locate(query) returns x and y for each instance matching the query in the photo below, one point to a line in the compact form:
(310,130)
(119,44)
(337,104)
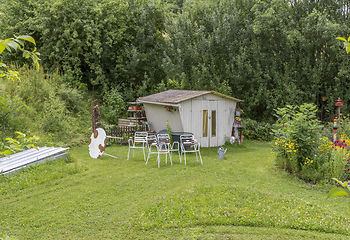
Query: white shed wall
(157,116)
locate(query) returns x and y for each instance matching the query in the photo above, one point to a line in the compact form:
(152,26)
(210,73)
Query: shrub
(72,98)
(22,143)
(9,107)
(113,106)
(257,130)
(53,115)
(302,149)
(296,132)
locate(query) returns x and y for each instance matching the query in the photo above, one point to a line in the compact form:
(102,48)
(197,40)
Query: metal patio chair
(164,147)
(139,142)
(152,146)
(190,145)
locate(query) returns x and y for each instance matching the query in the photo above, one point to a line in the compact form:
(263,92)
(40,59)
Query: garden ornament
(97,144)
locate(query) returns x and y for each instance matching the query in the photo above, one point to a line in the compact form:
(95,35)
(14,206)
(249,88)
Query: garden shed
(209,115)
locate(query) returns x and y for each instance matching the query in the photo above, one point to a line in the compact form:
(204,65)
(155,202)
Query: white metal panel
(158,116)
(28,157)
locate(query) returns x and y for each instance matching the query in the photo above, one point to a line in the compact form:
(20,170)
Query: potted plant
(238,121)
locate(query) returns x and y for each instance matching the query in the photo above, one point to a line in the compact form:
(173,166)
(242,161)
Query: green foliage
(257,130)
(53,115)
(169,131)
(46,106)
(9,107)
(302,148)
(343,191)
(113,106)
(297,126)
(22,143)
(267,53)
(346,43)
(86,40)
(18,43)
(72,97)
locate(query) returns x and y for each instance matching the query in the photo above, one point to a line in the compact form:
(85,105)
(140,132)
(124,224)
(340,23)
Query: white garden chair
(139,142)
(152,146)
(163,147)
(190,145)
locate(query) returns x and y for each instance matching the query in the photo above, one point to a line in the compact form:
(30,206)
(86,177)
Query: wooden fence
(124,131)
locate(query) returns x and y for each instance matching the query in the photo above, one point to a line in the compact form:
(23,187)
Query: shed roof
(177,96)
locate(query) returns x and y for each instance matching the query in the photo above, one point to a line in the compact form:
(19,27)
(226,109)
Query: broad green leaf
(347,47)
(27,38)
(349,39)
(2,47)
(25,54)
(336,192)
(341,38)
(37,65)
(341,183)
(13,45)
(19,42)
(6,152)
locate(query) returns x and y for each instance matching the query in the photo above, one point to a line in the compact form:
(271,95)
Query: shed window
(205,123)
(213,123)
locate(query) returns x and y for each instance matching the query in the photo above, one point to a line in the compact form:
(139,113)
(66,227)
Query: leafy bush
(113,106)
(72,98)
(54,115)
(302,149)
(257,131)
(22,143)
(296,133)
(9,107)
(44,105)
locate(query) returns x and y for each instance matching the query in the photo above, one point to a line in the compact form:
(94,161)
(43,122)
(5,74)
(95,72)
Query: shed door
(210,121)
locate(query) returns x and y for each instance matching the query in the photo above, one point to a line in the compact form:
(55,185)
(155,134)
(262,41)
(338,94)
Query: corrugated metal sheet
(32,156)
(177,96)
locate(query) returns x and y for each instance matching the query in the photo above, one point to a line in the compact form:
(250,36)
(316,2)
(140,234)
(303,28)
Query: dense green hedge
(257,130)
(268,53)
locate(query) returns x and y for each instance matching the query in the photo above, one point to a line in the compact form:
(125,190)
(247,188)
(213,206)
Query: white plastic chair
(139,142)
(190,145)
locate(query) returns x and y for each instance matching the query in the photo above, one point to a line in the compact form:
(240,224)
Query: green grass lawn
(240,197)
